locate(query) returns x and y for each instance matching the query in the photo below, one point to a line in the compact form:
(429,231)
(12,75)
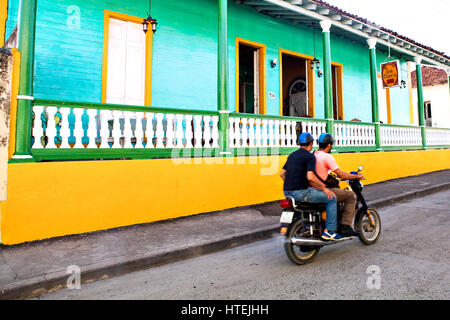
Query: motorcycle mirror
(360,168)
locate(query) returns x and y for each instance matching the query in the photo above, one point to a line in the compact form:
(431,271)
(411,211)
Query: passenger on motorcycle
(325,163)
(299,175)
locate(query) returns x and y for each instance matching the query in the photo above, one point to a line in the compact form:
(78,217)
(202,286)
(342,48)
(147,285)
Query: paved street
(412,254)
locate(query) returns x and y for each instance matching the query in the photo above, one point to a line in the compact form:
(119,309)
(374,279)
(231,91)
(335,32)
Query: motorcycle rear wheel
(369,233)
(298,254)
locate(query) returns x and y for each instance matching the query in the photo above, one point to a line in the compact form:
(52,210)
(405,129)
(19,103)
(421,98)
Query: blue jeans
(312,195)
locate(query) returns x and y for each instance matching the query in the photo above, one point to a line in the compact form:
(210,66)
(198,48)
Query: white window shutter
(126,63)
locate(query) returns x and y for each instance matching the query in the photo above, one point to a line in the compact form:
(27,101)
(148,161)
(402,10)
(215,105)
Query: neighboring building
(436,97)
(220,82)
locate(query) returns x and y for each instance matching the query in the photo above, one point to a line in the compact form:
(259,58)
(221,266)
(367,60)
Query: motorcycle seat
(310,206)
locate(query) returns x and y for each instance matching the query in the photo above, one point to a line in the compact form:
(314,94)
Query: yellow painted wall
(54,199)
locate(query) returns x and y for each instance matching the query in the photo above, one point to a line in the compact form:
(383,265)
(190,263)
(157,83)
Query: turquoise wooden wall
(11,21)
(68,63)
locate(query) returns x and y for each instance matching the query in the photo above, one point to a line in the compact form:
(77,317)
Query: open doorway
(250,75)
(296,85)
(427,113)
(338,105)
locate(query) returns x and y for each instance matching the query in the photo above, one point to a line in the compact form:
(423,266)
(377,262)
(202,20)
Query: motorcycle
(302,225)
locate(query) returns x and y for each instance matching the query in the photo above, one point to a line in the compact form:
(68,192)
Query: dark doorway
(295,86)
(249,79)
(428,116)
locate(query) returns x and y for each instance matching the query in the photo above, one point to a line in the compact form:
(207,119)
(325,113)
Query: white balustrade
(357,135)
(65,128)
(114,129)
(437,136)
(400,136)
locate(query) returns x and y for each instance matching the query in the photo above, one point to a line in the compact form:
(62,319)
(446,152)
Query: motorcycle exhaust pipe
(309,242)
(315,242)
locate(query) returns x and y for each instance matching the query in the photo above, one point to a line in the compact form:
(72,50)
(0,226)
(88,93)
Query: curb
(34,287)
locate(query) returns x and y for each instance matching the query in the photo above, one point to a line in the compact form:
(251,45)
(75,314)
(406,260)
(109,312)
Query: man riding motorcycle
(299,175)
(325,163)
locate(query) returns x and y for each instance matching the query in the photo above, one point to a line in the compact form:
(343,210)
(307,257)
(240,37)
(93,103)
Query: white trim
(25,97)
(22,157)
(349,28)
(372,42)
(224,111)
(418,59)
(326,25)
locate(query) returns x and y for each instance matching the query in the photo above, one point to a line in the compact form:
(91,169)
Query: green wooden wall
(68,63)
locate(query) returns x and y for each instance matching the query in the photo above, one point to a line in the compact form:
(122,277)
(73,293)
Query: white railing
(67,127)
(354,135)
(249,132)
(437,136)
(400,136)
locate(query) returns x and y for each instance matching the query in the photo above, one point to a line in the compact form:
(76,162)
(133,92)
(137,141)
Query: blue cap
(305,137)
(326,138)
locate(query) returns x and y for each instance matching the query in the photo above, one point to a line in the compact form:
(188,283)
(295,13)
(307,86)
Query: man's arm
(315,182)
(283,174)
(347,176)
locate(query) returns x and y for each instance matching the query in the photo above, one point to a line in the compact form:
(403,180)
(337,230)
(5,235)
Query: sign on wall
(390,74)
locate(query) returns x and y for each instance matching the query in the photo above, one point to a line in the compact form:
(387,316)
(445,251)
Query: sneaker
(330,235)
(347,231)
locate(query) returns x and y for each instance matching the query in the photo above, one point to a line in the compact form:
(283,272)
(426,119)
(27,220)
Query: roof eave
(317,10)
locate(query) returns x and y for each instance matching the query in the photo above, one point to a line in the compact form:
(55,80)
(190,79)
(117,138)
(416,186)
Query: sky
(425,21)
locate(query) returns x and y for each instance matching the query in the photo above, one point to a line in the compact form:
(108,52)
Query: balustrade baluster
(117,131)
(51,127)
(38,128)
(277,133)
(244,132)
(159,131)
(139,130)
(207,131)
(170,130)
(215,131)
(78,132)
(179,133)
(198,133)
(251,133)
(258,134)
(264,133)
(237,132)
(92,128)
(189,133)
(127,132)
(294,139)
(65,130)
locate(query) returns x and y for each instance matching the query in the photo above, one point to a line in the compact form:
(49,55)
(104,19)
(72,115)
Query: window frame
(262,73)
(148,54)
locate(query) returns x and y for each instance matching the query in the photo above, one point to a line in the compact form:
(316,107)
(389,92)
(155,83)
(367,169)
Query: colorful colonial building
(199,114)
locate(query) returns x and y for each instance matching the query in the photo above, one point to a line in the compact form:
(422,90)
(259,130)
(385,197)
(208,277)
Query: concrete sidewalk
(32,269)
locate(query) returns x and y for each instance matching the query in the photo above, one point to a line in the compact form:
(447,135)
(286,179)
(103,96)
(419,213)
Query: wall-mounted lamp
(273,63)
(147,21)
(316,63)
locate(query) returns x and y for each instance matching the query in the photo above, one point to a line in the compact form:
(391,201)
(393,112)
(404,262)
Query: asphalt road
(412,257)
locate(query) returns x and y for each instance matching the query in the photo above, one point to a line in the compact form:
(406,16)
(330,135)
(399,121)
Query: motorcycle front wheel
(299,254)
(369,226)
